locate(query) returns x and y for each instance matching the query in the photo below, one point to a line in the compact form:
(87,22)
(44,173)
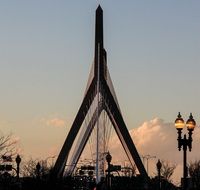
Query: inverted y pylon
(100,83)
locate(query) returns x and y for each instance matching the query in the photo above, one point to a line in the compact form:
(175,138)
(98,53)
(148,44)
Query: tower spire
(100,53)
(99,27)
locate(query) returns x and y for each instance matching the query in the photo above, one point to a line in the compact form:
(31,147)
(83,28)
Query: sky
(47,48)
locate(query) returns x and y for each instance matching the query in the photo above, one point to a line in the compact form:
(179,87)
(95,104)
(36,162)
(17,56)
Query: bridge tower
(100,92)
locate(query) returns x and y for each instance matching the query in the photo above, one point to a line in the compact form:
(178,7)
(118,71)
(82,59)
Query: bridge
(98,113)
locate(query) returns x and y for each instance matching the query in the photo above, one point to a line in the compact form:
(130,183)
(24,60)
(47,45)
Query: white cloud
(55,122)
(155,137)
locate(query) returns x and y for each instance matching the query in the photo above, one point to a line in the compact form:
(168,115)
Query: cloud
(155,137)
(55,122)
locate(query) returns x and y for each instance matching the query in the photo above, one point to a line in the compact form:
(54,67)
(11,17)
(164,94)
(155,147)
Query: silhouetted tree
(167,170)
(8,152)
(194,171)
(29,169)
(8,145)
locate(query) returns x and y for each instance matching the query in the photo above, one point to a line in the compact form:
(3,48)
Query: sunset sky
(47,48)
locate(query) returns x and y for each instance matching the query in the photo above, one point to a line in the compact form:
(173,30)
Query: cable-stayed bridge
(98,114)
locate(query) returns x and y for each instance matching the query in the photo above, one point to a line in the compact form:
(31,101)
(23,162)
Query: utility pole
(147,157)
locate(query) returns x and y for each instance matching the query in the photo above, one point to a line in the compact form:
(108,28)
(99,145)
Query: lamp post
(108,159)
(38,167)
(185,142)
(159,166)
(18,161)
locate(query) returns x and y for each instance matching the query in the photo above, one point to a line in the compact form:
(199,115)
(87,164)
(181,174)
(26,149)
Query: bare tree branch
(8,146)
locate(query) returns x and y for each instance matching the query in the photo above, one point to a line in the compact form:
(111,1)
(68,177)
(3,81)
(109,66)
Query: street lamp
(38,167)
(18,161)
(108,159)
(185,142)
(159,166)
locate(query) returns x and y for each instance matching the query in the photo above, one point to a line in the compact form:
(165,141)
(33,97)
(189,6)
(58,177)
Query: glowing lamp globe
(179,122)
(190,123)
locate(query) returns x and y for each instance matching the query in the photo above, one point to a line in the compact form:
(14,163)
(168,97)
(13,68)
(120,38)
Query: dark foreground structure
(82,183)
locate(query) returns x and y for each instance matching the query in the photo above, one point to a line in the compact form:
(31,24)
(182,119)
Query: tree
(8,151)
(194,171)
(166,173)
(167,170)
(8,145)
(29,169)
